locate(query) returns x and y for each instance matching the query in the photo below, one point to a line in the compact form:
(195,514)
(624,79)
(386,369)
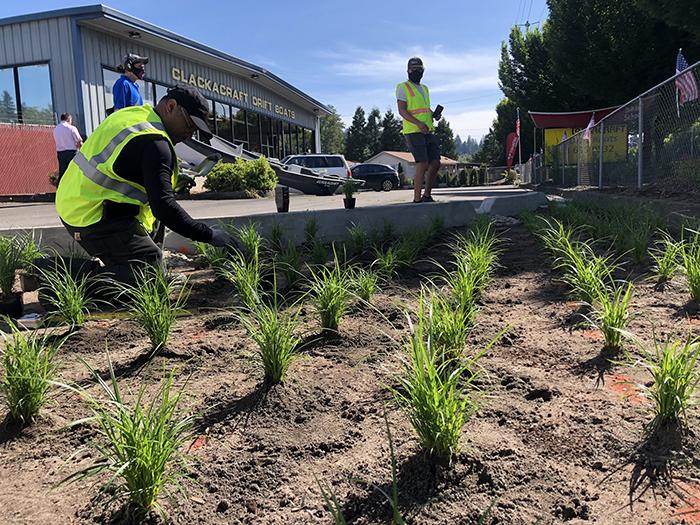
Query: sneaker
(427,198)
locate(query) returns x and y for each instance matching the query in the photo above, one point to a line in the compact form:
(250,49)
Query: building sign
(238,96)
(614,143)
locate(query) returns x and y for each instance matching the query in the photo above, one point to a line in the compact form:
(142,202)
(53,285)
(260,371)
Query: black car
(377,176)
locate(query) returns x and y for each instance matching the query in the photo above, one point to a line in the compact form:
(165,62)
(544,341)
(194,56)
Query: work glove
(221,239)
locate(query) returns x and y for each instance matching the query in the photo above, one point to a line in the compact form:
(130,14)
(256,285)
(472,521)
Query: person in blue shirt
(125,89)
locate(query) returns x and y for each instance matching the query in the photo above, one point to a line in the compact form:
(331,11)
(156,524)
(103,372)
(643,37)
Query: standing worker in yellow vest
(122,180)
(414,106)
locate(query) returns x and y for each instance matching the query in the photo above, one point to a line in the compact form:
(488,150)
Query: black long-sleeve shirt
(148,160)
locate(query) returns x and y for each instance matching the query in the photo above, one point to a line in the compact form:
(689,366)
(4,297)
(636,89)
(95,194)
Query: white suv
(326,164)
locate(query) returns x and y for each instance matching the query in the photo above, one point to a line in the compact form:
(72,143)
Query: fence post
(600,155)
(640,145)
(578,161)
(563,164)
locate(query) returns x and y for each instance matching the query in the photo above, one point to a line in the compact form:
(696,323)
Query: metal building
(64,61)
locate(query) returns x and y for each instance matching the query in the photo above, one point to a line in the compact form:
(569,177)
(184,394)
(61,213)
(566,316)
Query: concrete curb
(333,223)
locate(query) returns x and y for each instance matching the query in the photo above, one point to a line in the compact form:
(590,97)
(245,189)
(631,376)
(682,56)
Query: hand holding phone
(437,114)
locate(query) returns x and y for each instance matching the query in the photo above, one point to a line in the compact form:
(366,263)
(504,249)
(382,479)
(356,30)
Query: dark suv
(377,176)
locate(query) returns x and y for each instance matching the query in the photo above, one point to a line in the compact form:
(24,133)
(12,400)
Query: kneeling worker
(122,180)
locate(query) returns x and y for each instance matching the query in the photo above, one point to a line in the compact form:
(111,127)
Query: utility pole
(520,150)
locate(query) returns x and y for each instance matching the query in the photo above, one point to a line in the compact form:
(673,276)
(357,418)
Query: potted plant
(10,257)
(349,191)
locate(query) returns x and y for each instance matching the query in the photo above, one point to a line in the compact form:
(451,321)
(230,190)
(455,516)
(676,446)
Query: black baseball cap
(194,103)
(415,62)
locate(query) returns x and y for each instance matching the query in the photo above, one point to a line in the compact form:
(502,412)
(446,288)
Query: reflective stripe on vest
(417,105)
(91,172)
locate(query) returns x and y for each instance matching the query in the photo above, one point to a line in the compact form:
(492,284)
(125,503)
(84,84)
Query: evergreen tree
(392,138)
(447,141)
(373,132)
(8,110)
(355,139)
(332,133)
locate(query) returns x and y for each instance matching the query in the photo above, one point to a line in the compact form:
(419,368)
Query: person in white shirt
(68,141)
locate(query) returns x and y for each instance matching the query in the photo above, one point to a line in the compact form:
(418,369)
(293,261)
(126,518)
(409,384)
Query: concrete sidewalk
(457,206)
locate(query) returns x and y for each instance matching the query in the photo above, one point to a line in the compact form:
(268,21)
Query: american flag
(686,84)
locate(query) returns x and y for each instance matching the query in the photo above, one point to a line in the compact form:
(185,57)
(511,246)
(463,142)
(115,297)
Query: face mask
(139,72)
(415,76)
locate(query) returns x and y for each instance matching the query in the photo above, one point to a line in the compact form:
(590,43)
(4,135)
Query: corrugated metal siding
(104,49)
(45,41)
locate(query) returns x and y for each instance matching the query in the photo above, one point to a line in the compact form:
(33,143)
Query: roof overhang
(571,119)
(108,20)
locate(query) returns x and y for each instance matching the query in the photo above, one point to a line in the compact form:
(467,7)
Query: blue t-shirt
(126,93)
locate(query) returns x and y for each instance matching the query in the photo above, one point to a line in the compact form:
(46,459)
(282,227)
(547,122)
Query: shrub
(142,443)
(225,176)
(250,175)
(28,370)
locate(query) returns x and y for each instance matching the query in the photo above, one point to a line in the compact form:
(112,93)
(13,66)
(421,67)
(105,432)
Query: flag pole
(520,150)
(678,105)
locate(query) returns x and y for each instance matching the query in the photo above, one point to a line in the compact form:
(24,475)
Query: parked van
(326,164)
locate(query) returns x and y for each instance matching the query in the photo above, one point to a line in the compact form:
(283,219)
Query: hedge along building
(64,61)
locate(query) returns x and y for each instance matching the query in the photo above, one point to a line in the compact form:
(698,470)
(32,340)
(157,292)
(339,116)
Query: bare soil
(561,436)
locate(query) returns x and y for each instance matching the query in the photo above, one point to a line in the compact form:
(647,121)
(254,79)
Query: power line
(528,11)
(517,18)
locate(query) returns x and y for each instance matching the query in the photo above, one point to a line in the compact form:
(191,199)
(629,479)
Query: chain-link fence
(652,141)
(532,172)
(28,159)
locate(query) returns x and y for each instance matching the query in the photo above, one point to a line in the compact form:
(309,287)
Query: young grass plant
(28,369)
(329,292)
(273,332)
(251,240)
(386,262)
(448,327)
(586,273)
(690,258)
(246,277)
(611,313)
(437,403)
(10,260)
(29,251)
(332,504)
(675,371)
(310,231)
(141,445)
(150,302)
(357,239)
(213,256)
(364,283)
(66,290)
(667,257)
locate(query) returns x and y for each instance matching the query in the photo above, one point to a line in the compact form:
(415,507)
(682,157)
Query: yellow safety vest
(418,106)
(90,178)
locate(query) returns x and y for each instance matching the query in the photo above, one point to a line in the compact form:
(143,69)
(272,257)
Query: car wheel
(387,184)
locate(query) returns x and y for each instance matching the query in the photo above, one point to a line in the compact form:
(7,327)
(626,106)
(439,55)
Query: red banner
(511,148)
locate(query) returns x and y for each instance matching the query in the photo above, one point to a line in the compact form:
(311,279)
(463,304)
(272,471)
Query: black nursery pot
(349,203)
(11,305)
(282,198)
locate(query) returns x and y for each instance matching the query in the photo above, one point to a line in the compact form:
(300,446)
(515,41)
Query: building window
(253,132)
(161,91)
(240,130)
(287,140)
(223,121)
(25,95)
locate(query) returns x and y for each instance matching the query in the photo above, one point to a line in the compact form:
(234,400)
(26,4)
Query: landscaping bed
(560,435)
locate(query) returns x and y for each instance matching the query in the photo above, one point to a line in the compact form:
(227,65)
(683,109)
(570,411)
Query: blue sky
(352,53)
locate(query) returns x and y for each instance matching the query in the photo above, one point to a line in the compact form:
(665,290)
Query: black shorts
(424,146)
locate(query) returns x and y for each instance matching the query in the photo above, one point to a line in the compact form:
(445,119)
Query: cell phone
(438,112)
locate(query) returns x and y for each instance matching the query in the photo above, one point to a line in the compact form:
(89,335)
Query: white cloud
(475,122)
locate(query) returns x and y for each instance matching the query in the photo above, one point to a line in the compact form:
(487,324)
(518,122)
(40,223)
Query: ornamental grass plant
(611,312)
(586,274)
(67,289)
(28,370)
(363,283)
(448,327)
(154,301)
(329,291)
(675,371)
(10,260)
(438,403)
(666,256)
(690,260)
(245,274)
(274,334)
(139,453)
(213,256)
